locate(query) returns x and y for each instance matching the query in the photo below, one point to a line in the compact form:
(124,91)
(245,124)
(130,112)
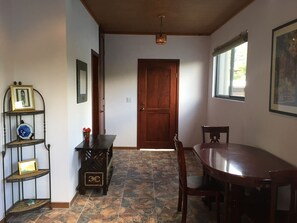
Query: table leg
(236,207)
(226,203)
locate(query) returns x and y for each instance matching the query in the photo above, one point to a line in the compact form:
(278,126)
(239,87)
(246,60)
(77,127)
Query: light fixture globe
(161,38)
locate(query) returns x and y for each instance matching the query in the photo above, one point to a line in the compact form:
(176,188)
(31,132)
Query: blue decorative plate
(24,131)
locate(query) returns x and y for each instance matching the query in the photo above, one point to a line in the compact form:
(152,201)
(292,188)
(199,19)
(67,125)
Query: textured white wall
(39,58)
(82,36)
(39,43)
(5,68)
(122,53)
(251,122)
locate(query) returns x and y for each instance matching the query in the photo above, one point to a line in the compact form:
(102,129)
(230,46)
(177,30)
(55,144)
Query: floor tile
(143,189)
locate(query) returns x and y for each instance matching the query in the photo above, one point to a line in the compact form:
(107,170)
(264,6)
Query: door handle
(142,108)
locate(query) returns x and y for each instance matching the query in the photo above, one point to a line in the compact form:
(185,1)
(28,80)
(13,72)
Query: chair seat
(195,182)
(200,182)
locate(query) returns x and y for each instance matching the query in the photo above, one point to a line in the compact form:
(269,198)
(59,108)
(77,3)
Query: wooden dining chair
(278,179)
(214,133)
(191,185)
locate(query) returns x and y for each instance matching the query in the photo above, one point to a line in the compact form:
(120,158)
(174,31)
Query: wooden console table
(96,163)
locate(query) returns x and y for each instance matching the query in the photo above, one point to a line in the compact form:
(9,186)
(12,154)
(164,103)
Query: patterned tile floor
(143,189)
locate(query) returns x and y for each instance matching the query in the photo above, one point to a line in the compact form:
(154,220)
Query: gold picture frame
(22,97)
(27,166)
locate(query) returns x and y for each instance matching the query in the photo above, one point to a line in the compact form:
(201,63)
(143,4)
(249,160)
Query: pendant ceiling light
(161,38)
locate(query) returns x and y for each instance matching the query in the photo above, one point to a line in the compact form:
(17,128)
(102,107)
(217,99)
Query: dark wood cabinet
(96,163)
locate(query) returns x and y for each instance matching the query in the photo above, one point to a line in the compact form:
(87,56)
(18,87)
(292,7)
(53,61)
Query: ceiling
(182,17)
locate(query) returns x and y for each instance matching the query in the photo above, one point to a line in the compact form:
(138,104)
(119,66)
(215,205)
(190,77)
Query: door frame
(177,61)
(95,91)
(98,87)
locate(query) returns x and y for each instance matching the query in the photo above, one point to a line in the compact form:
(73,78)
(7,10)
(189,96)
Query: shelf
(22,206)
(14,184)
(24,142)
(15,177)
(30,112)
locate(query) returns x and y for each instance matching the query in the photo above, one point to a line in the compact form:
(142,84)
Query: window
(230,61)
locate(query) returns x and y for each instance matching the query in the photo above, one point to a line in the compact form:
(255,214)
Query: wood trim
(60,205)
(188,148)
(135,148)
(177,96)
(73,199)
(124,148)
(101,73)
(64,204)
(95,91)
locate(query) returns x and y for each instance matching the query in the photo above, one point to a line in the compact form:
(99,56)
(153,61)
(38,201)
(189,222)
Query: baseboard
(64,204)
(124,148)
(60,204)
(53,205)
(135,148)
(73,199)
(188,148)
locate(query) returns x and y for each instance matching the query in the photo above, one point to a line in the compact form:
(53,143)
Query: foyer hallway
(143,189)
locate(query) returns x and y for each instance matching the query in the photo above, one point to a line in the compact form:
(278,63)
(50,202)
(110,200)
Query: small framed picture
(27,166)
(22,97)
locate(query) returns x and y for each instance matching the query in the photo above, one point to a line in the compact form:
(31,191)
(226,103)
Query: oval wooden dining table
(239,166)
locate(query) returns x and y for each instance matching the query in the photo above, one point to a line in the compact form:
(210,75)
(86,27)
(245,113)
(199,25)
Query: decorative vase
(86,136)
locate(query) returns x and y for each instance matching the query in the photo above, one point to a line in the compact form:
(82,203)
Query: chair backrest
(215,133)
(182,170)
(284,178)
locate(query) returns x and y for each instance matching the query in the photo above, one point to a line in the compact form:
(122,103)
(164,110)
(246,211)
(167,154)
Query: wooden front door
(157,103)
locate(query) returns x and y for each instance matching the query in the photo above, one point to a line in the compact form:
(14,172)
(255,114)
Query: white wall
(39,45)
(82,36)
(250,121)
(39,52)
(122,53)
(5,11)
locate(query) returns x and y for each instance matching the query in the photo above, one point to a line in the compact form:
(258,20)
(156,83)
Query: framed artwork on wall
(81,81)
(283,80)
(22,97)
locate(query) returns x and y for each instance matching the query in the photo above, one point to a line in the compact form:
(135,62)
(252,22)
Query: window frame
(230,45)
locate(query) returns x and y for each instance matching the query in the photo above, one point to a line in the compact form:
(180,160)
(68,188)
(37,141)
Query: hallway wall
(40,41)
(122,52)
(250,121)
